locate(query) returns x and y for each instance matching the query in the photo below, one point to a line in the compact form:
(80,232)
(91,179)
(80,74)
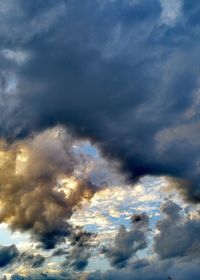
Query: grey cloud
(111,71)
(59,252)
(128,242)
(81,249)
(154,271)
(10,255)
(30,260)
(178,235)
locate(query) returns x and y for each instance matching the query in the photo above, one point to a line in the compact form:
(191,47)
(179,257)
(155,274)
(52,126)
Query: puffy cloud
(127,243)
(178,235)
(81,242)
(34,194)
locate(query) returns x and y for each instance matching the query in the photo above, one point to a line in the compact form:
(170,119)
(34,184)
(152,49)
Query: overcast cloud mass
(100,97)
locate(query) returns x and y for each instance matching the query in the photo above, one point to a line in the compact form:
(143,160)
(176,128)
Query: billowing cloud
(123,75)
(38,187)
(127,243)
(178,235)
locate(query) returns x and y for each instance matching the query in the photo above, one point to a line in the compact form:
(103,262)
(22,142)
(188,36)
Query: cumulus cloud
(35,193)
(176,244)
(178,235)
(128,242)
(80,250)
(81,242)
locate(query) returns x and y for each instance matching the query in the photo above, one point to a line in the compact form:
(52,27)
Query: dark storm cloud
(8,254)
(128,243)
(178,235)
(113,71)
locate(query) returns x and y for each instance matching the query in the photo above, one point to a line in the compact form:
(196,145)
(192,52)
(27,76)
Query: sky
(99,139)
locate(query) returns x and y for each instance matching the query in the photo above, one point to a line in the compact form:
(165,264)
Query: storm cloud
(124,74)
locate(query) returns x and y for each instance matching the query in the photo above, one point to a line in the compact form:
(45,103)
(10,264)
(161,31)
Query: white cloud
(171,10)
